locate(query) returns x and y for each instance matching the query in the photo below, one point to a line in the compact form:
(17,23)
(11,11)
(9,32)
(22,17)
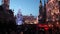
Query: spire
(19,12)
(47,1)
(40,3)
(44,5)
(44,11)
(40,12)
(19,18)
(5,3)
(40,7)
(44,2)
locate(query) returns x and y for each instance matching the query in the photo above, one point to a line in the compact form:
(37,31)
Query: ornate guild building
(30,19)
(52,11)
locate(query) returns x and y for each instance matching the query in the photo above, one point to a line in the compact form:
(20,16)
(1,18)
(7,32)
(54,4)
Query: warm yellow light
(57,19)
(31,23)
(57,22)
(50,25)
(52,13)
(53,19)
(40,17)
(46,19)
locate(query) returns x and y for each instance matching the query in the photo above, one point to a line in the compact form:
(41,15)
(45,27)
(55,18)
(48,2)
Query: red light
(46,28)
(40,25)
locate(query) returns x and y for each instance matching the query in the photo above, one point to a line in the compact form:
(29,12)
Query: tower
(42,12)
(59,4)
(19,18)
(5,4)
(40,8)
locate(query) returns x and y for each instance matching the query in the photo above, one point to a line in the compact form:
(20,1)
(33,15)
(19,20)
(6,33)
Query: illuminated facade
(30,20)
(52,12)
